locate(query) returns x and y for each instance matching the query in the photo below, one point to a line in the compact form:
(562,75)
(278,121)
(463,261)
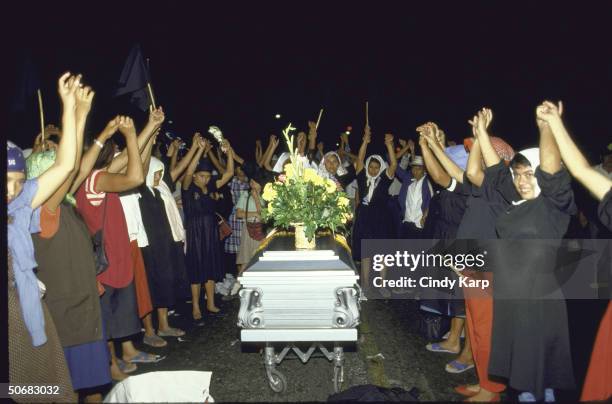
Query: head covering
(372,181)
(15,162)
(322,171)
(278,166)
(417,161)
(533,156)
(458,155)
(503,149)
(204,165)
(154,166)
(172,211)
(38,163)
(27,152)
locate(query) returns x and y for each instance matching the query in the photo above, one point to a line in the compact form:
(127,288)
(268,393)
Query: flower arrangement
(302,196)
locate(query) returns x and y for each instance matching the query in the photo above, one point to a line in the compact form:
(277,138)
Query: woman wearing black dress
(204,258)
(597,385)
(530,344)
(373,220)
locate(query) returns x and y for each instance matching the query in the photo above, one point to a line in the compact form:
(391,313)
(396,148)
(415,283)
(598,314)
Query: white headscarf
(372,181)
(322,171)
(278,167)
(172,211)
(533,155)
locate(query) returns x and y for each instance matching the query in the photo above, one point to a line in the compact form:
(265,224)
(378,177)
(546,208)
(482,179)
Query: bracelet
(99,144)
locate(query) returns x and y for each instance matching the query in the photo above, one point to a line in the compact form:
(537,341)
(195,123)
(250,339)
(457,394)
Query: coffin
(291,295)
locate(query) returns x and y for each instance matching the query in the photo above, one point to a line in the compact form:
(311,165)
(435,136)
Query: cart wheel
(277,381)
(338,378)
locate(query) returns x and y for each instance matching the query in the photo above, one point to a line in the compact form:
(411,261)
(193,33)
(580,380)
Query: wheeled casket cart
(290,298)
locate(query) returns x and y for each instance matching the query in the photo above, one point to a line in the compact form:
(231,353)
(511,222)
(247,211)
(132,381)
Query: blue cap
(458,155)
(15,162)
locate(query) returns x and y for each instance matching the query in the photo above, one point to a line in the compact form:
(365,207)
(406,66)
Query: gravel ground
(238,373)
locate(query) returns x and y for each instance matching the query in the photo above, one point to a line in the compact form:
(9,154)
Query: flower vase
(301,241)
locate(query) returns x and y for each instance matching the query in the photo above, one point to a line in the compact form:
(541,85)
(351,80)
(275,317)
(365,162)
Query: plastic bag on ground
(163,387)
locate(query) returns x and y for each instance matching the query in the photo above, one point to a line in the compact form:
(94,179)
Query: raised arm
(272,145)
(178,168)
(550,157)
(434,169)
(56,175)
(574,160)
(84,97)
(312,136)
(391,152)
(258,152)
(480,123)
(156,118)
(201,146)
(134,176)
(301,143)
(367,138)
(474,171)
(229,172)
(215,161)
(146,156)
(448,165)
(405,148)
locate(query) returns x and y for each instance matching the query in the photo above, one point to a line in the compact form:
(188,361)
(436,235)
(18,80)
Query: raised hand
(66,87)
(548,112)
(312,125)
(410,144)
(111,128)
(157,116)
(403,143)
(367,135)
(301,140)
(84,98)
(274,141)
(388,138)
(126,126)
(474,123)
(423,141)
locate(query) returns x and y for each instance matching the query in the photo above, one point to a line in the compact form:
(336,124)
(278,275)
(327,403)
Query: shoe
(464,391)
(126,367)
(457,367)
(235,288)
(435,347)
(155,341)
(171,332)
(496,398)
(144,357)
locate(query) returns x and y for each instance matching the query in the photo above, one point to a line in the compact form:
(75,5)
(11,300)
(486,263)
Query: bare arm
(391,152)
(434,169)
(156,118)
(134,176)
(447,164)
(146,156)
(229,172)
(84,97)
(550,157)
(177,169)
(258,153)
(269,152)
(192,166)
(56,175)
(481,122)
(575,161)
(367,137)
(474,171)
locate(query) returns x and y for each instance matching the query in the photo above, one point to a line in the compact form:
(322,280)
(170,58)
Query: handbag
(255,229)
(224,229)
(433,326)
(100,257)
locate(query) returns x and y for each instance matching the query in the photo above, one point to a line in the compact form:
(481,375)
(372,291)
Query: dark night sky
(236,67)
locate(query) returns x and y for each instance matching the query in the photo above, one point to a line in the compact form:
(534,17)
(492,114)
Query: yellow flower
(330,186)
(270,209)
(269,193)
(289,171)
(346,217)
(311,175)
(343,202)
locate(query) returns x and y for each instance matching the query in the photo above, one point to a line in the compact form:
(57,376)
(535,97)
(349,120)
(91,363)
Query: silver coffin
(291,296)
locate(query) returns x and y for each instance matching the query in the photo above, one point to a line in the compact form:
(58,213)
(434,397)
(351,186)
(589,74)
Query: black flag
(134,78)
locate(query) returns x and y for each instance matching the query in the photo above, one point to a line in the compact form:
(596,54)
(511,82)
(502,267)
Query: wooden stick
(151,95)
(42,118)
(367,115)
(319,119)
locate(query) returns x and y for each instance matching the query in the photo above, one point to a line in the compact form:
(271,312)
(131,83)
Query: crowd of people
(160,216)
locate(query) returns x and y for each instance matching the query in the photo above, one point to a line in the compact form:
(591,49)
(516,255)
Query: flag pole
(319,119)
(42,117)
(367,115)
(151,95)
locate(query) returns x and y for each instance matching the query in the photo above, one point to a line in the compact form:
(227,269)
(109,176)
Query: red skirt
(598,382)
(143,297)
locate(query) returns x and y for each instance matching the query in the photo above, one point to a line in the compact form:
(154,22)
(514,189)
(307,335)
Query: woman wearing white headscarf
(163,226)
(530,342)
(373,220)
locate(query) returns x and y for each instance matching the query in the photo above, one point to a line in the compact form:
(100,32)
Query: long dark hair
(106,154)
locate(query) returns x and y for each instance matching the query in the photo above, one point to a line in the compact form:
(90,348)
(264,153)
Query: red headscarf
(503,149)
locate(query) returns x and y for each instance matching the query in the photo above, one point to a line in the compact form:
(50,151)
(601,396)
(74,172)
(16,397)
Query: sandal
(143,357)
(457,367)
(171,332)
(464,391)
(126,367)
(435,347)
(155,341)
